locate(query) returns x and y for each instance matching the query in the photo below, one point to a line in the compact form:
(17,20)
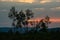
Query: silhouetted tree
(44,23)
(20,18)
(12,14)
(29,14)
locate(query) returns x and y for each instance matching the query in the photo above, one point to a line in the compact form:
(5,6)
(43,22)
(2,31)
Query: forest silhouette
(21,18)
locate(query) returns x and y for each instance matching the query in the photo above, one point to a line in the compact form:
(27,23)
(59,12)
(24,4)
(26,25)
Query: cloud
(58,8)
(45,1)
(40,9)
(55,8)
(7,0)
(57,0)
(3,10)
(25,1)
(48,1)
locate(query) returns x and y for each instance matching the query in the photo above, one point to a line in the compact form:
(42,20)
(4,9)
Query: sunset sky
(32,1)
(41,8)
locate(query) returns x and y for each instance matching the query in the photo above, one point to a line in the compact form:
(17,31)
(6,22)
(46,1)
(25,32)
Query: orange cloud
(7,0)
(26,1)
(45,1)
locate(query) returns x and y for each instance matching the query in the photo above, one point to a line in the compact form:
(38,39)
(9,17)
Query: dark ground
(30,35)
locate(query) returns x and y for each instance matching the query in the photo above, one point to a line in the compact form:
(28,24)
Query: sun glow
(26,1)
(38,20)
(55,20)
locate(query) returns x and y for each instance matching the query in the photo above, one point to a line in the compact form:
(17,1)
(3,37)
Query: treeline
(20,19)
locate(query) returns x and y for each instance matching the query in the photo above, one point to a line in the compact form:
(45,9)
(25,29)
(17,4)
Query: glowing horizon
(38,19)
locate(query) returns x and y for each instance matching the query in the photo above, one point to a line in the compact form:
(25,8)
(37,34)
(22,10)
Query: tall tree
(21,17)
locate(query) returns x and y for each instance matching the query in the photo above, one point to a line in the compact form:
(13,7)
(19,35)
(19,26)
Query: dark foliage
(30,36)
(20,18)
